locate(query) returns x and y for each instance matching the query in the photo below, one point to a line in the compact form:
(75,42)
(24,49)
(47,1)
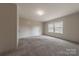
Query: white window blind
(56,27)
(59,27)
(50,27)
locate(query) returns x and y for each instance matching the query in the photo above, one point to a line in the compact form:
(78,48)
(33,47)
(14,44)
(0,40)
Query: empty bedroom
(43,29)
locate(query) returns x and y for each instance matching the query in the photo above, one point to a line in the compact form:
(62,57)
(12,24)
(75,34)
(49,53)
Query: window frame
(61,27)
(54,27)
(50,27)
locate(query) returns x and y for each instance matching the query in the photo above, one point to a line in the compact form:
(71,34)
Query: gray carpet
(45,46)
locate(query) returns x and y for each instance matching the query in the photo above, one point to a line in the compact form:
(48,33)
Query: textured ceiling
(51,10)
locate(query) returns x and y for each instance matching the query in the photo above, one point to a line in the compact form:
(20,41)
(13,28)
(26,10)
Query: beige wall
(8,18)
(71,27)
(26,27)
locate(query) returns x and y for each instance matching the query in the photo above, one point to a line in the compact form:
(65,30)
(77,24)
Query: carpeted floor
(45,46)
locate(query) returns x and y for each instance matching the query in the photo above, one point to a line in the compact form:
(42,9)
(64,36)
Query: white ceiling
(51,10)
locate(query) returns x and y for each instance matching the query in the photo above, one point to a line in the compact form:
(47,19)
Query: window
(56,27)
(50,27)
(59,27)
